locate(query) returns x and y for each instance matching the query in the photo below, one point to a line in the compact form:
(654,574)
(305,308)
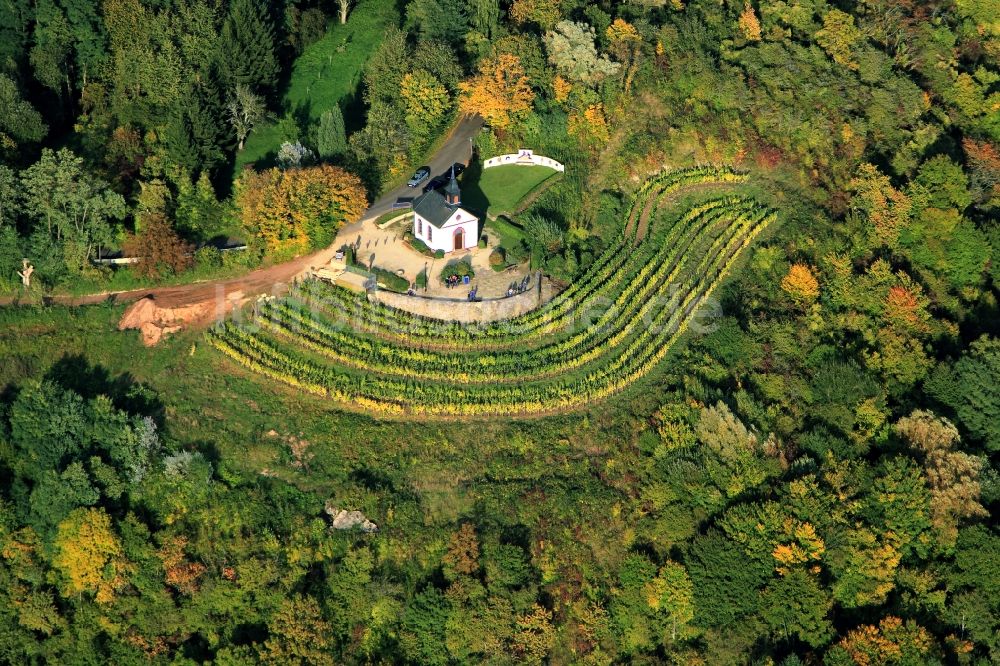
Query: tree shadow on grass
(474,199)
(75,373)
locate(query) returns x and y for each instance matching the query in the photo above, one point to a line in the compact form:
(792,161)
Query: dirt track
(222,294)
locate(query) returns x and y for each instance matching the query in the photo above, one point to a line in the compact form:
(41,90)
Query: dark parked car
(420,176)
(436,182)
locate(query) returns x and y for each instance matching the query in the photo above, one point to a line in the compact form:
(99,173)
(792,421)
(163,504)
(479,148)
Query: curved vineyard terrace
(607,331)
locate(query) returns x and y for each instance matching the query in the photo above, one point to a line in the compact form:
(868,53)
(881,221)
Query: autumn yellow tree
(89,556)
(672,594)
(590,126)
(799,545)
(749,25)
(801,284)
(838,37)
(500,93)
(535,636)
(289,212)
(561,89)
(626,45)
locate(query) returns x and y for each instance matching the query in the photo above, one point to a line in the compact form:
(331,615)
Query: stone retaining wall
(524,157)
(448,309)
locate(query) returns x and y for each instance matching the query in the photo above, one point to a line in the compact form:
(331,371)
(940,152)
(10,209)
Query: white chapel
(440,221)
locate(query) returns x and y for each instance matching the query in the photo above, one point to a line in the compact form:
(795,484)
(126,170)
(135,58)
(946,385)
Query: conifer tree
(196,132)
(247,47)
(331,138)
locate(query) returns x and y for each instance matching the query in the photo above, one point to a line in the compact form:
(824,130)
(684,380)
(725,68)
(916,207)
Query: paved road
(457,148)
(272,280)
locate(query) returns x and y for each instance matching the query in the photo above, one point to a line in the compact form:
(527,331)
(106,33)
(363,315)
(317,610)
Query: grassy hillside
(500,189)
(327,73)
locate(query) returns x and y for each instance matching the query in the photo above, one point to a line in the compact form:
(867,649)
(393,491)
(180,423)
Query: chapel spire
(452,194)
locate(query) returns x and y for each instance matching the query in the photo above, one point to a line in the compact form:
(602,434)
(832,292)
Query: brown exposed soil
(155,322)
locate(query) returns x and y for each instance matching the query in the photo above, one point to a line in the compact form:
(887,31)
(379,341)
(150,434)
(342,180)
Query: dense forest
(811,480)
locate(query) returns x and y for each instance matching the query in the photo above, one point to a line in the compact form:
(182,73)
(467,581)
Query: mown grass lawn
(498,190)
(327,73)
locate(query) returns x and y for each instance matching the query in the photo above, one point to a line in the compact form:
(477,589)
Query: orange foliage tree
(463,552)
(984,163)
(500,92)
(289,212)
(158,248)
(180,573)
(891,642)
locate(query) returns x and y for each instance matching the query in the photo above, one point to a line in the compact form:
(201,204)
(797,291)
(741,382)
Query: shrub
(419,245)
(497,257)
(240,259)
(390,280)
(482,243)
(459,268)
(421,280)
(439,254)
(208,257)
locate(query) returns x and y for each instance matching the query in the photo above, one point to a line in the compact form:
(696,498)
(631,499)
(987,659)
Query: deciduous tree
(887,209)
(462,557)
(20,123)
(290,211)
(796,605)
(298,634)
(89,556)
(892,643)
(838,37)
(571,50)
(500,93)
(953,476)
(626,45)
(749,24)
(75,207)
(543,13)
(671,595)
(801,284)
(245,110)
(426,102)
(535,636)
(158,248)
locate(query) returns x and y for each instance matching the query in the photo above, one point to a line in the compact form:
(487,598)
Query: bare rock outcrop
(345,520)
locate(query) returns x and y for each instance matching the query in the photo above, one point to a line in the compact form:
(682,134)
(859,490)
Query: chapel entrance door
(460,239)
